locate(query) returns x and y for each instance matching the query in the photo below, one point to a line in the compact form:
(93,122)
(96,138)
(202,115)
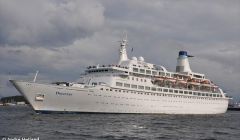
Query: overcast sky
(61,37)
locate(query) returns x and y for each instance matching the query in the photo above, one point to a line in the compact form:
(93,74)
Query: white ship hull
(75,99)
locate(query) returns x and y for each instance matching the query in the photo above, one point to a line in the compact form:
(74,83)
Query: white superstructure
(131,86)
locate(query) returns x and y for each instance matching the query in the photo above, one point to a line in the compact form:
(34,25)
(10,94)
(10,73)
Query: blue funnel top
(183,53)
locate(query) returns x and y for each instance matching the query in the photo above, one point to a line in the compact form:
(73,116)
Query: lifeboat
(182,81)
(205,82)
(193,82)
(173,80)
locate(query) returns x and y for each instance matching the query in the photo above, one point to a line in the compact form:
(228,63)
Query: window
(119,84)
(147,88)
(165,90)
(159,89)
(126,85)
(148,71)
(94,84)
(181,91)
(142,71)
(154,73)
(154,89)
(140,87)
(185,92)
(135,69)
(170,90)
(162,73)
(134,86)
(175,91)
(168,74)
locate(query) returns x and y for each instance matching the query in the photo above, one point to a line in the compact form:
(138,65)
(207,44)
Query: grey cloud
(48,23)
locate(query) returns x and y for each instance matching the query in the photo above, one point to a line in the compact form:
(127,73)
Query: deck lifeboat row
(186,82)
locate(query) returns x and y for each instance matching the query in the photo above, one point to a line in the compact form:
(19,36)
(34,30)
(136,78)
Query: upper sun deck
(141,68)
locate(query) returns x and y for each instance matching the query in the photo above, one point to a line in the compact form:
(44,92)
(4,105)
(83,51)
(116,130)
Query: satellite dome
(134,58)
(141,58)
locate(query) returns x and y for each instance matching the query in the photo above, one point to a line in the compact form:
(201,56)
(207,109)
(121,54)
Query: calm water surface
(21,121)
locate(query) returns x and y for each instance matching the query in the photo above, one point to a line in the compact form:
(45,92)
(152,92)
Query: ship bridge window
(142,71)
(135,69)
(119,84)
(126,85)
(170,90)
(147,88)
(181,91)
(148,71)
(175,91)
(185,92)
(134,86)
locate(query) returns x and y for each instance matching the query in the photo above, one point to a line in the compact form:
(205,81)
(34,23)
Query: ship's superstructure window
(154,89)
(135,69)
(165,90)
(119,84)
(94,83)
(134,86)
(168,74)
(142,71)
(126,85)
(140,87)
(159,89)
(161,73)
(148,72)
(147,88)
(154,73)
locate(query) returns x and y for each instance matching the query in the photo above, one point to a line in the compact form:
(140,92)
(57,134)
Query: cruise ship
(129,86)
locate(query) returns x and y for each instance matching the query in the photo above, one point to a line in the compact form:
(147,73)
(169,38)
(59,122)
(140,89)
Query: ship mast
(122,51)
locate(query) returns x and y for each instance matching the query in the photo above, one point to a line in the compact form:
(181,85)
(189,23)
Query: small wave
(221,133)
(140,127)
